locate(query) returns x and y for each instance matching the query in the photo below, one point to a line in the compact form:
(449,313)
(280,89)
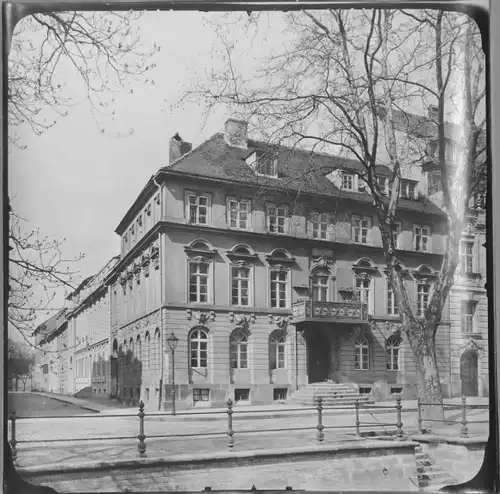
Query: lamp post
(172,341)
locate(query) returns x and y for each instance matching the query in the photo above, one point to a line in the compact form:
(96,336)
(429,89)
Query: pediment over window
(280,257)
(425,272)
(200,248)
(321,263)
(400,267)
(364,266)
(241,253)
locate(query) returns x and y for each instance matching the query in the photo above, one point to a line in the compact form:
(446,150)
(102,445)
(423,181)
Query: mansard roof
(299,171)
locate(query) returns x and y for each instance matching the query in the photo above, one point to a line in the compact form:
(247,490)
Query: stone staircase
(333,394)
(429,475)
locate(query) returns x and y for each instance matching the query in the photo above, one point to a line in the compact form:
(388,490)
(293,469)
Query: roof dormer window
(264,163)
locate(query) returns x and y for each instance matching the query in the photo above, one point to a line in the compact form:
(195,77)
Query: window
(397,234)
(239,350)
(468,310)
(279,285)
(383,183)
(467,256)
(361,354)
(280,394)
(362,290)
(421,236)
(392,308)
(198,282)
(276,218)
(138,349)
(267,164)
(147,349)
(240,286)
(277,350)
(241,395)
(198,348)
(238,214)
(319,285)
(360,227)
(198,209)
(319,225)
(392,354)
(157,355)
(423,292)
(201,395)
(408,189)
(347,181)
(365,390)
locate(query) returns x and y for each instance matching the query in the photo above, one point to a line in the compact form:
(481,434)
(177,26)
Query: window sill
(476,336)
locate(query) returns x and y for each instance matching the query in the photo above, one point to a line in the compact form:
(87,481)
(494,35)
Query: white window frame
(345,175)
(198,349)
(393,355)
(258,164)
(250,284)
(319,273)
(404,188)
(391,306)
(209,264)
(287,286)
(238,340)
(276,208)
(418,230)
(319,228)
(354,227)
(468,319)
(277,346)
(368,292)
(238,210)
(362,343)
(420,311)
(198,195)
(463,257)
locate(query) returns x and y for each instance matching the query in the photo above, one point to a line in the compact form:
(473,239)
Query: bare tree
(19,363)
(350,83)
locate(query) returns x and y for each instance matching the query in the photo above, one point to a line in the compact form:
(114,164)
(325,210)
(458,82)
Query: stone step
(438,474)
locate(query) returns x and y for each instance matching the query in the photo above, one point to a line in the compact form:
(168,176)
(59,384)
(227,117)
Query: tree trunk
(430,392)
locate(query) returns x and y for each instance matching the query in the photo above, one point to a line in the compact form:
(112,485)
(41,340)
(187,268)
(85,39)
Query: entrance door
(318,356)
(468,373)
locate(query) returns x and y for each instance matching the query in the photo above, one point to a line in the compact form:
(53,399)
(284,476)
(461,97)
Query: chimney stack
(178,148)
(236,133)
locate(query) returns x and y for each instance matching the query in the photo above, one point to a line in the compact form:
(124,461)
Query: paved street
(106,426)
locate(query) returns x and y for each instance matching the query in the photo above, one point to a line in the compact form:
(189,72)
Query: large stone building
(267,265)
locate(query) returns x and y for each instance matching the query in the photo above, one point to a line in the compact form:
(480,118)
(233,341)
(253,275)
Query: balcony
(341,312)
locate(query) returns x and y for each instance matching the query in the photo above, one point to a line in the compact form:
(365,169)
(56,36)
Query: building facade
(271,275)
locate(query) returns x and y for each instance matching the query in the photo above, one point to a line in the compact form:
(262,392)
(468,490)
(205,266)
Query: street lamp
(172,341)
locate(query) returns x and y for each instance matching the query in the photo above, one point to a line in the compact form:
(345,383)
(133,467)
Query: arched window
(147,350)
(138,349)
(239,350)
(125,352)
(198,348)
(319,285)
(277,350)
(393,353)
(157,349)
(361,354)
(131,350)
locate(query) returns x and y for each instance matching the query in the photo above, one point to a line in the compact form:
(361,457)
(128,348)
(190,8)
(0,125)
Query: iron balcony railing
(346,311)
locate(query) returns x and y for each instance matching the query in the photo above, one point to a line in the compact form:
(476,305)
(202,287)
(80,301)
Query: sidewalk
(277,410)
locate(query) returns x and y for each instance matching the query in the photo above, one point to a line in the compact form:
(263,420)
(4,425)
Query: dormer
(263,163)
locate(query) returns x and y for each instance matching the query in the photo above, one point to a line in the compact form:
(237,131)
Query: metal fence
(356,426)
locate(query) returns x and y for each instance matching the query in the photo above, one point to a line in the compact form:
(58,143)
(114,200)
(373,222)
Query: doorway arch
(469,373)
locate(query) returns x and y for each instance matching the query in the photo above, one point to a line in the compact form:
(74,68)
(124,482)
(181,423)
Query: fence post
(230,431)
(13,440)
(419,415)
(320,435)
(464,430)
(141,447)
(356,407)
(399,424)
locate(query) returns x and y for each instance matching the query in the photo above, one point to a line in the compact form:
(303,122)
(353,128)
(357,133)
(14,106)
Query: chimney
(236,133)
(433,112)
(178,148)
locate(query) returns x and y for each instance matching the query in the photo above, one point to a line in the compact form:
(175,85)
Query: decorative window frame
(408,181)
(249,212)
(278,334)
(232,337)
(354,180)
(208,340)
(326,264)
(369,344)
(468,239)
(286,224)
(241,260)
(365,269)
(200,256)
(277,264)
(311,223)
(392,343)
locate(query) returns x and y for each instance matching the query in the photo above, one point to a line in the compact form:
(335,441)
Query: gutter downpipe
(162,356)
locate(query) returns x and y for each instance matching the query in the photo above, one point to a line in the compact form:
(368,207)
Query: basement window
(396,390)
(201,395)
(365,390)
(280,394)
(241,395)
